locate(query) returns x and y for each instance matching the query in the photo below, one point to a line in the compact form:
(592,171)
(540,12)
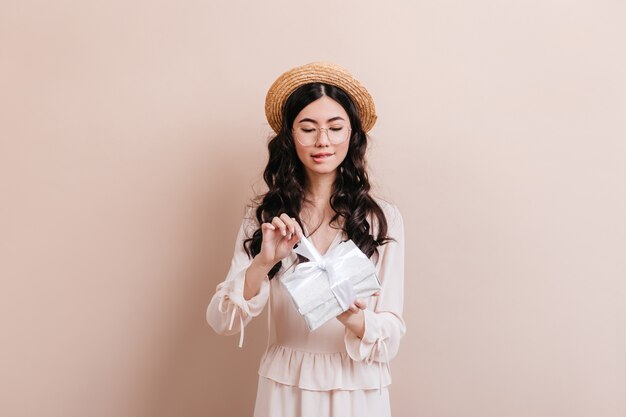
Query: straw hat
(318,72)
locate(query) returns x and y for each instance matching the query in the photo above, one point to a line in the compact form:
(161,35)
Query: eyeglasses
(307,136)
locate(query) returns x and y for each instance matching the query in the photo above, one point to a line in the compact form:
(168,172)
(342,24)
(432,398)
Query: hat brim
(318,72)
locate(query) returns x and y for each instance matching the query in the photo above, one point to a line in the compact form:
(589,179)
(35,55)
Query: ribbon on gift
(340,286)
(325,286)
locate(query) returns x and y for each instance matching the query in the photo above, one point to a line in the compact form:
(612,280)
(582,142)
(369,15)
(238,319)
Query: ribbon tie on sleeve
(380,347)
(239,307)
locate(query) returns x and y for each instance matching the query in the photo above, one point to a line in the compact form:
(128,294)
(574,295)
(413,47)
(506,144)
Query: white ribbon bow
(340,286)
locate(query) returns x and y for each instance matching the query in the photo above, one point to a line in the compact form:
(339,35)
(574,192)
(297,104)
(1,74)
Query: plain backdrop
(132,134)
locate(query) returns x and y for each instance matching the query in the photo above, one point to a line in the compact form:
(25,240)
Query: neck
(319,188)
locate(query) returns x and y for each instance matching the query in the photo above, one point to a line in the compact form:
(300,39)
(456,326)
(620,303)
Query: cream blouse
(330,357)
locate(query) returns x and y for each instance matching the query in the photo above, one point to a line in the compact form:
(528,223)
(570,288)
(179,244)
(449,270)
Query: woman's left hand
(354,318)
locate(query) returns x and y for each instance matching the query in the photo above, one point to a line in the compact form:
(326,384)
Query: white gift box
(324,287)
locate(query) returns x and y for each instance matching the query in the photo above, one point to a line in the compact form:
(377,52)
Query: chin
(322,170)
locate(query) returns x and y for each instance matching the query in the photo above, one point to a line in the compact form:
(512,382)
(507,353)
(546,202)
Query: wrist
(253,279)
(261,265)
(355,322)
(359,328)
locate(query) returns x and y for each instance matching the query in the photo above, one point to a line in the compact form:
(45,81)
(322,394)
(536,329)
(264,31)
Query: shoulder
(395,223)
(390,210)
(249,224)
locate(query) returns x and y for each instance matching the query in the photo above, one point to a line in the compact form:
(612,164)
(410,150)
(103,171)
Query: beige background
(132,133)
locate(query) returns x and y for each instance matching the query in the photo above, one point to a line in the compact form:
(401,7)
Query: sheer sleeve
(384,325)
(228,312)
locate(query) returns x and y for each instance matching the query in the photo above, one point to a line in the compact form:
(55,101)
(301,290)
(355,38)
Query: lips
(320,158)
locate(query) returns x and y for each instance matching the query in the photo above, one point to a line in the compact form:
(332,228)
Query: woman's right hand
(279,238)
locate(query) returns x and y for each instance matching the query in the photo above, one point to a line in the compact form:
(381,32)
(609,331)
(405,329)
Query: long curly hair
(285,178)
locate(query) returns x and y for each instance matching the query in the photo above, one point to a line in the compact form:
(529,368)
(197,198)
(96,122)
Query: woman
(317,187)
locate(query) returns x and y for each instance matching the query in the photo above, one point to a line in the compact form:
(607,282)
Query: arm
(229,311)
(383,325)
(246,289)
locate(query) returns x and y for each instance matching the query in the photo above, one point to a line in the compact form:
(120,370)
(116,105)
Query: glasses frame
(319,135)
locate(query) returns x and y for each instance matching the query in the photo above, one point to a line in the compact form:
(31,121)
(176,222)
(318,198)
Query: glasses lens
(306,136)
(337,135)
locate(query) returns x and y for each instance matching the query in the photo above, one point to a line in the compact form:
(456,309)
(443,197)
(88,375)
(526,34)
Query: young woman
(317,187)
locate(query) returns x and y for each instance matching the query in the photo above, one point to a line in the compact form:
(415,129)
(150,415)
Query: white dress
(328,372)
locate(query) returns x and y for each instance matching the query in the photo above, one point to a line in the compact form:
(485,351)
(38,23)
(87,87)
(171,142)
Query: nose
(322,138)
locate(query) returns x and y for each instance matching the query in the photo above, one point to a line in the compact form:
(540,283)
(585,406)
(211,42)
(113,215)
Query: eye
(337,129)
(308,130)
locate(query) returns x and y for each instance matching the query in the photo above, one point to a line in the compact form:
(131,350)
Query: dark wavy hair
(285,178)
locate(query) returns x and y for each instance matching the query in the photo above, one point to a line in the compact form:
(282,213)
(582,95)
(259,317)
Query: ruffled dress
(329,371)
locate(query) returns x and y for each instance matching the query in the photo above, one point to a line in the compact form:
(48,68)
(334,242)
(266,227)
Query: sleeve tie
(380,348)
(238,308)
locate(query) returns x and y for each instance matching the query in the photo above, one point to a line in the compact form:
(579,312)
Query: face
(322,157)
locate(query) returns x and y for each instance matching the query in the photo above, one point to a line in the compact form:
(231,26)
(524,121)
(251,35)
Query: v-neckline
(332,243)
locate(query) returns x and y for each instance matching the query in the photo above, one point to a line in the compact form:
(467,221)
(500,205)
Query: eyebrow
(332,119)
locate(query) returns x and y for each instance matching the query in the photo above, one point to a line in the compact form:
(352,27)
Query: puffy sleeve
(384,325)
(228,312)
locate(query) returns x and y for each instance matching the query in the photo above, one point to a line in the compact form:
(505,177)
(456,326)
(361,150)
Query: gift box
(324,287)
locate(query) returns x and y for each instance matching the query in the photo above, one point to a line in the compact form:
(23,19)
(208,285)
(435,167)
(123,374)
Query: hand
(354,318)
(279,238)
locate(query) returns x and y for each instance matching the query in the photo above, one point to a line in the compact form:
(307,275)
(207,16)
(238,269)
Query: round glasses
(307,136)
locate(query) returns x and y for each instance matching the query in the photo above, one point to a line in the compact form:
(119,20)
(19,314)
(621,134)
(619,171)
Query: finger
(267,226)
(298,234)
(376,294)
(298,228)
(280,225)
(292,225)
(292,240)
(360,304)
(288,222)
(353,308)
